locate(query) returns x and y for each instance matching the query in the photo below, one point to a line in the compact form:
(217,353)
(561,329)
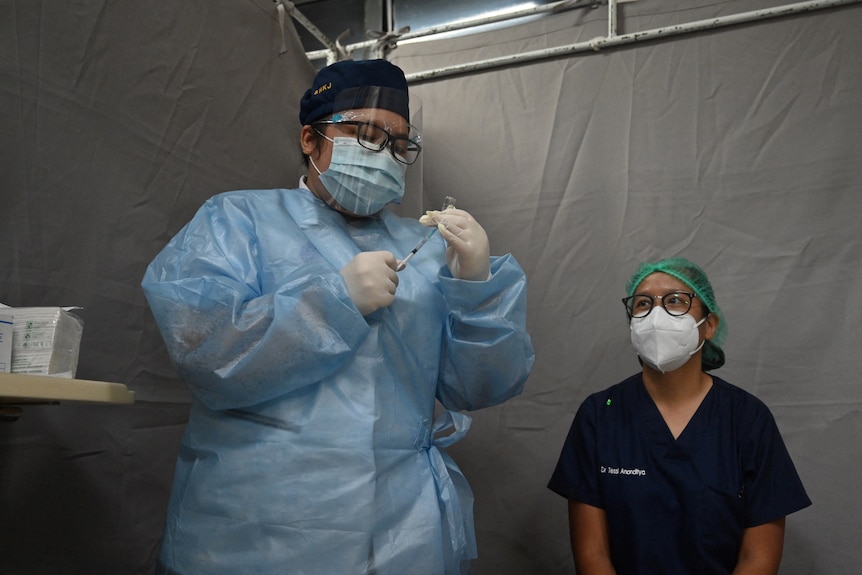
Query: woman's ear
(711,325)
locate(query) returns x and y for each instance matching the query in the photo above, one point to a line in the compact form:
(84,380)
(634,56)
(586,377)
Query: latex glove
(468,253)
(371,280)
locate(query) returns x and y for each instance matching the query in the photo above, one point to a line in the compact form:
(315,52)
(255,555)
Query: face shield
(388,121)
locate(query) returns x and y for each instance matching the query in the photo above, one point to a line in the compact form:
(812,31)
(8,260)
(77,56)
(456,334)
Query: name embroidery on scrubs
(622,471)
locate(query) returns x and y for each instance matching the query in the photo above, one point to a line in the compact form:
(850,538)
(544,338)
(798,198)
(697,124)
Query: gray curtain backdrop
(117,120)
(737,148)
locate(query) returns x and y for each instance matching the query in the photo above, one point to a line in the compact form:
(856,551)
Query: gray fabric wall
(118,121)
(737,148)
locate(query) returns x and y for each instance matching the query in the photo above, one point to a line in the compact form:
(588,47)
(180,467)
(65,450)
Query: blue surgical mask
(361,181)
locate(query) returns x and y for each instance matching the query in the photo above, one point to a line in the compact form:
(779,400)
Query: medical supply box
(45,340)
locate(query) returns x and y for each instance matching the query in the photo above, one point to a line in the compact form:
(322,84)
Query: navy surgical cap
(353,84)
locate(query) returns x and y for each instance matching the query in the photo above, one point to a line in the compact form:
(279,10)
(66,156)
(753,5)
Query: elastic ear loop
(703,343)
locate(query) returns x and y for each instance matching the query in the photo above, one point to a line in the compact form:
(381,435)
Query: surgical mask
(361,181)
(663,341)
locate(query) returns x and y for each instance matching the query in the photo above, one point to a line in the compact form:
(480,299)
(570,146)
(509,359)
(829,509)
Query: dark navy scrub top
(678,506)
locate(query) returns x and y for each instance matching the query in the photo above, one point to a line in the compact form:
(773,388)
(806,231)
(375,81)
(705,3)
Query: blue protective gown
(311,445)
(678,506)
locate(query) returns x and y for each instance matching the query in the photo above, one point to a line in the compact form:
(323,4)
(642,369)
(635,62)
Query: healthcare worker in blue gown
(675,471)
(312,445)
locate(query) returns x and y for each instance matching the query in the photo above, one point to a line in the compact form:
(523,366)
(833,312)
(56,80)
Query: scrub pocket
(722,517)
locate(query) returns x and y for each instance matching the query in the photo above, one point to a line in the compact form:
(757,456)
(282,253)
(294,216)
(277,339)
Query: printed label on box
(5,343)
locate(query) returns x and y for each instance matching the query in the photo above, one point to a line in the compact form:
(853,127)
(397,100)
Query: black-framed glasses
(675,303)
(372,137)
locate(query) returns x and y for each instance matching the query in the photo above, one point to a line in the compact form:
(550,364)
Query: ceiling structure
(349,21)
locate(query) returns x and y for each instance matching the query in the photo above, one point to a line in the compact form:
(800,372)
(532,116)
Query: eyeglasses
(675,303)
(404,148)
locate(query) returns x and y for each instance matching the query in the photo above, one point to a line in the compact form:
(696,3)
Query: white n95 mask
(360,180)
(663,341)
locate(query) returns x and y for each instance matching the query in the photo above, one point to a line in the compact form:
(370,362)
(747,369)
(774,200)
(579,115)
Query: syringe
(448,202)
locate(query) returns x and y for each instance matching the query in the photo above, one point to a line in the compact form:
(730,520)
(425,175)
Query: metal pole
(613,41)
(309,25)
(553,7)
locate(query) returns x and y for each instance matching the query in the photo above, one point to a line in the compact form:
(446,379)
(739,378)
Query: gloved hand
(468,253)
(371,280)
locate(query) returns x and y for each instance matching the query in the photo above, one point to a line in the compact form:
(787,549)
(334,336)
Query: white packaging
(5,342)
(45,340)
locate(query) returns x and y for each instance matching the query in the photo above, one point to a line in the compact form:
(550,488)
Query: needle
(449,202)
(403,263)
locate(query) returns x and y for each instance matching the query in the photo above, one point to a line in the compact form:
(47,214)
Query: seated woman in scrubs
(315,360)
(675,471)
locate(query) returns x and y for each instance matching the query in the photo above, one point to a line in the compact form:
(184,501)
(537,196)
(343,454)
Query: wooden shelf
(21,389)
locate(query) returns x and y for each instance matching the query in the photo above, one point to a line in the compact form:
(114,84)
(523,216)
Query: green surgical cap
(695,278)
